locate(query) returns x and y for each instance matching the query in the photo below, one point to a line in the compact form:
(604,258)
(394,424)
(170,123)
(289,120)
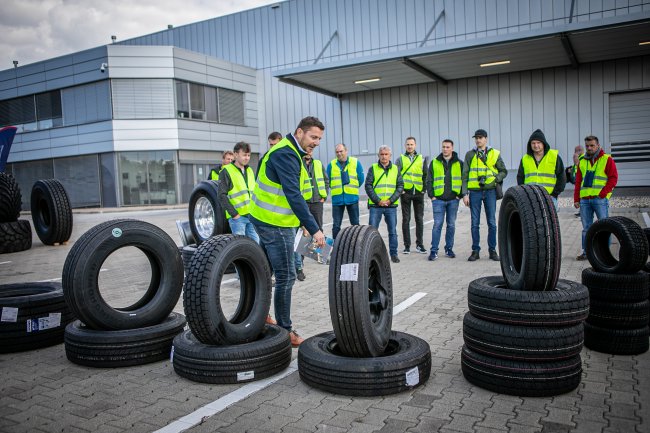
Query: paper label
(349,272)
(9,314)
(412,377)
(245,375)
(53,320)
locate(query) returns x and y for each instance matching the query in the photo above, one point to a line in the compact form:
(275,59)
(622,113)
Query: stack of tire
(618,287)
(15,234)
(362,356)
(140,333)
(524,330)
(51,212)
(236,349)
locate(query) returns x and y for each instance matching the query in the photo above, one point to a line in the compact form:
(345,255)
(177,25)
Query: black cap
(480,133)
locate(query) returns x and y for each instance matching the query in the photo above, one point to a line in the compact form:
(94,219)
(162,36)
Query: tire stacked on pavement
(236,349)
(51,211)
(362,356)
(15,234)
(618,287)
(524,330)
(137,334)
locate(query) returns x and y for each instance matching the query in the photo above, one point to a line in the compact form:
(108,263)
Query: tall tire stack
(137,334)
(15,234)
(236,349)
(51,212)
(362,356)
(524,330)
(618,287)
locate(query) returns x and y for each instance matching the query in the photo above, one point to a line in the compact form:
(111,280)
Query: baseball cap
(480,133)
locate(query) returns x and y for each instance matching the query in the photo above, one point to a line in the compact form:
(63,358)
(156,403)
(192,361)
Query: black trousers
(418,208)
(316,209)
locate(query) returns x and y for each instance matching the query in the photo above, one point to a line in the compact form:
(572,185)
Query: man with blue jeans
(444,185)
(384,185)
(596,178)
(482,170)
(345,175)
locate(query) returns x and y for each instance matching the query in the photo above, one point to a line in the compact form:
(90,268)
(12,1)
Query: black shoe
(394,259)
(300,275)
(420,249)
(450,253)
(474,257)
(433,257)
(407,250)
(494,256)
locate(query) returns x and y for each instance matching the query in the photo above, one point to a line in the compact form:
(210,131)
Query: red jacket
(610,171)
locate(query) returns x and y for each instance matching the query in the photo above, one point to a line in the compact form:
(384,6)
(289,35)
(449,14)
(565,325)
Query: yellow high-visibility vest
(542,174)
(336,183)
(600,177)
(385,184)
(438,176)
(240,194)
(477,169)
(412,177)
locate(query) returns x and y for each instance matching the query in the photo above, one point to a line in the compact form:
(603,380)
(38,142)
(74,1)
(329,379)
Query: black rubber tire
(10,198)
(633,252)
(521,378)
(187,254)
(15,236)
(124,348)
(617,341)
(269,354)
(41,316)
(618,315)
(362,310)
(529,239)
(201,296)
(51,211)
(82,266)
(522,343)
(616,287)
(207,192)
(646,230)
(489,299)
(322,365)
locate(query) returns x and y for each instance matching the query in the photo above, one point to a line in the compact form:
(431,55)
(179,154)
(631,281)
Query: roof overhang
(566,45)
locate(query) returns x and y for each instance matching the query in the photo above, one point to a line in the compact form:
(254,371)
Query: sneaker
(581,257)
(407,250)
(577,214)
(474,257)
(494,256)
(270,320)
(450,253)
(433,256)
(296,339)
(394,259)
(420,249)
(300,275)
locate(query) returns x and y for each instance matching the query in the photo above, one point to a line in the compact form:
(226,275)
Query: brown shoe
(296,339)
(270,320)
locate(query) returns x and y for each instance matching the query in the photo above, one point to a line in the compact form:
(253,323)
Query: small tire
(123,348)
(10,198)
(51,211)
(618,315)
(404,365)
(488,298)
(529,239)
(15,236)
(202,293)
(522,343)
(82,267)
(361,310)
(617,341)
(521,378)
(269,354)
(616,287)
(633,252)
(34,315)
(207,217)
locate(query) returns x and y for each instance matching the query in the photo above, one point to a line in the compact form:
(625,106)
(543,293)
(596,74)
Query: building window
(29,113)
(214,104)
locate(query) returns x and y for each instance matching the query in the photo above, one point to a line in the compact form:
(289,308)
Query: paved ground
(42,391)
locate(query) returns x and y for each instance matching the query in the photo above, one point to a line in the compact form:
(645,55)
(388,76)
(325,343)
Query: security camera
(103,68)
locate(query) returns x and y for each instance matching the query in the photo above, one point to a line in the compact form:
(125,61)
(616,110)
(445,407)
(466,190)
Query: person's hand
(319,238)
(433,198)
(305,233)
(384,203)
(466,200)
(322,200)
(236,217)
(576,205)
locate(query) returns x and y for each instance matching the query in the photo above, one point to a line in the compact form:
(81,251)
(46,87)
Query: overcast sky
(33,30)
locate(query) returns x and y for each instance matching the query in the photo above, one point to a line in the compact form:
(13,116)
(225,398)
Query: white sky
(33,30)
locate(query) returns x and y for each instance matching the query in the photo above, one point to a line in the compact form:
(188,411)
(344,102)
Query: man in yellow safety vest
(226,159)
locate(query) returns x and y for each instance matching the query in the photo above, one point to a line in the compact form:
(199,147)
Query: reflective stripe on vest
(268,202)
(600,177)
(320,178)
(336,183)
(542,174)
(239,195)
(412,178)
(477,169)
(438,176)
(387,184)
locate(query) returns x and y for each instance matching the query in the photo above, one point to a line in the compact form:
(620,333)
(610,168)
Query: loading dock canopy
(566,45)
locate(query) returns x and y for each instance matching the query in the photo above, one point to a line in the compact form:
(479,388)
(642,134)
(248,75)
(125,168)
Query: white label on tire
(9,314)
(413,377)
(349,272)
(54,320)
(245,375)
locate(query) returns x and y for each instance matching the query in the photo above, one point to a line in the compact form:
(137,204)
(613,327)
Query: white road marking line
(408,302)
(646,219)
(231,280)
(425,223)
(4,263)
(347,219)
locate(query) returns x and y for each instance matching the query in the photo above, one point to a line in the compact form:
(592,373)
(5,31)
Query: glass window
(182,99)
(17,111)
(197,101)
(231,107)
(148,178)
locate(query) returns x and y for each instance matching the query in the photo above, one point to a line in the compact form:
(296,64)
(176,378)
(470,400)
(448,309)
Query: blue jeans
(589,207)
(440,208)
(243,226)
(488,198)
(277,243)
(337,216)
(390,216)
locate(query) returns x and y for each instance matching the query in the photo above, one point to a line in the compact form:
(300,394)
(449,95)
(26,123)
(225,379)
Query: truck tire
(616,287)
(207,217)
(633,253)
(51,211)
(15,236)
(10,198)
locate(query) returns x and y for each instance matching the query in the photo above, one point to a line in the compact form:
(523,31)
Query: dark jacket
(370,189)
(501,174)
(225,185)
(425,165)
(448,194)
(560,174)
